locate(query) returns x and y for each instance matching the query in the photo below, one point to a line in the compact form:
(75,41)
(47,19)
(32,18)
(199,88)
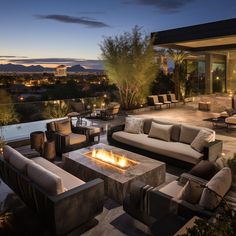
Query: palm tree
(178,57)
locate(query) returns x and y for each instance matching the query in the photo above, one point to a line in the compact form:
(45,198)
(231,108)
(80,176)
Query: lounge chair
(172,98)
(154,101)
(163,98)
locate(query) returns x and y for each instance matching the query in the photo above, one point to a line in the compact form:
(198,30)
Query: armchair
(110,111)
(67,136)
(148,204)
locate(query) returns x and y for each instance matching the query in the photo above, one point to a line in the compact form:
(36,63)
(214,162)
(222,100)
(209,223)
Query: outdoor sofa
(176,146)
(62,201)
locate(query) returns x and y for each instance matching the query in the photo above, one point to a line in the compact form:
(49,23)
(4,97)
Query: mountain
(76,68)
(20,68)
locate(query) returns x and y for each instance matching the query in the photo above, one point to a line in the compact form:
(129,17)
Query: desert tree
(129,61)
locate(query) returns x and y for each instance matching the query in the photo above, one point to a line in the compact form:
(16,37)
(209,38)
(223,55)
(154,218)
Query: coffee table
(117,182)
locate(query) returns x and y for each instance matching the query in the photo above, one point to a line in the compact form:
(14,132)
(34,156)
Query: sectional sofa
(62,201)
(176,150)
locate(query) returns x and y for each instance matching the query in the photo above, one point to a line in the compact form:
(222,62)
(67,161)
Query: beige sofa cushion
(191,192)
(188,133)
(133,125)
(76,138)
(69,181)
(15,158)
(63,127)
(202,139)
(48,181)
(175,150)
(220,184)
(160,131)
(175,132)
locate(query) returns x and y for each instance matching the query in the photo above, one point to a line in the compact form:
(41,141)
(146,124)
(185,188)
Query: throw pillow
(188,133)
(201,140)
(63,127)
(204,169)
(133,125)
(162,132)
(216,188)
(191,192)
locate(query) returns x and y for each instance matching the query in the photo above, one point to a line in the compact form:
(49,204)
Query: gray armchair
(148,204)
(67,136)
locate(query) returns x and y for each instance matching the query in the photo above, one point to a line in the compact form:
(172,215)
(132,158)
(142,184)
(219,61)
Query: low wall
(218,102)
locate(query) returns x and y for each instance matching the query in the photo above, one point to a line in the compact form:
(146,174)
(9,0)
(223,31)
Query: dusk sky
(69,31)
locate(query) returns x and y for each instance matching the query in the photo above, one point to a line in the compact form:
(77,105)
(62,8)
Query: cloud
(13,57)
(74,20)
(93,64)
(167,6)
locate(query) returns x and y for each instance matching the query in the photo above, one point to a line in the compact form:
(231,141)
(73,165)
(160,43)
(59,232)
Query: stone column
(208,74)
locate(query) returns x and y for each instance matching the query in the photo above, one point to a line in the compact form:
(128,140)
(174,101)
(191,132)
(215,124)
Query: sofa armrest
(213,150)
(188,210)
(78,205)
(160,204)
(113,129)
(81,130)
(185,177)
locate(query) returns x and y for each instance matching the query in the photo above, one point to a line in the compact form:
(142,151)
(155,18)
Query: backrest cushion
(175,132)
(204,170)
(159,131)
(63,127)
(48,181)
(15,158)
(202,139)
(188,133)
(191,192)
(133,125)
(216,188)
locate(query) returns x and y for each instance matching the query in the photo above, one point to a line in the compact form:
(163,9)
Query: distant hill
(20,68)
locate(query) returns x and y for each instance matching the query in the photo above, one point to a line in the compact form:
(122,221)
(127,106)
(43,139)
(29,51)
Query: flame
(110,157)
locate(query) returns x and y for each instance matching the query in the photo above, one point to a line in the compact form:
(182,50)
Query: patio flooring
(114,221)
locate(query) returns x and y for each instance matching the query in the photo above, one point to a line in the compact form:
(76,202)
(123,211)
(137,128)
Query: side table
(49,152)
(37,141)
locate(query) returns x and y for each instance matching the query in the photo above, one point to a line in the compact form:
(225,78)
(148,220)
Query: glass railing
(19,119)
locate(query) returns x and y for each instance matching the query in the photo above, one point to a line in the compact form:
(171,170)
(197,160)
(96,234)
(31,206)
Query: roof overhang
(219,35)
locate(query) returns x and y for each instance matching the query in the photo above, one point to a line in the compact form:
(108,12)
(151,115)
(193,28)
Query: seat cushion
(202,139)
(63,127)
(76,138)
(231,120)
(49,182)
(15,158)
(69,181)
(172,189)
(216,188)
(162,132)
(175,150)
